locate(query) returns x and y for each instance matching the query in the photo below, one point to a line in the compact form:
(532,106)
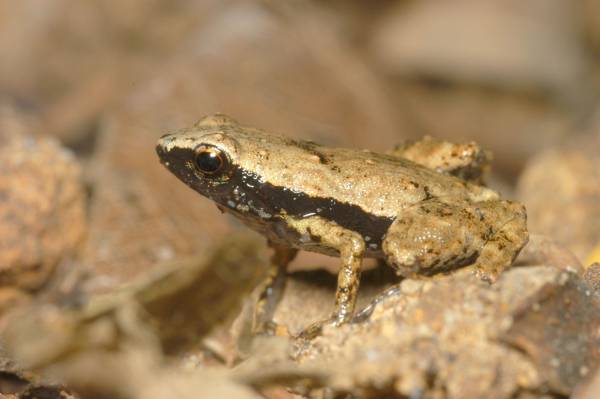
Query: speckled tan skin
(466,160)
(353,203)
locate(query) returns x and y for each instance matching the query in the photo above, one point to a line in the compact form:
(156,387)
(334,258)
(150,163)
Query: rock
(122,338)
(590,13)
(557,328)
(47,391)
(542,250)
(42,208)
(533,332)
(589,389)
(561,190)
(592,277)
(594,256)
(496,40)
(133,375)
(170,309)
(12,297)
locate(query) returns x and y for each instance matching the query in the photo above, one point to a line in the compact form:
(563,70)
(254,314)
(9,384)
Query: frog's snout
(163,143)
(162,146)
(165,139)
(160,151)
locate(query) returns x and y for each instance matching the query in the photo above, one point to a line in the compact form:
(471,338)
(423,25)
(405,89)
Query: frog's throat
(249,195)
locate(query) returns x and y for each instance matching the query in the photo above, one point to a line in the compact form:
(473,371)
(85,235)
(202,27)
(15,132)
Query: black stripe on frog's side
(244,192)
(274,200)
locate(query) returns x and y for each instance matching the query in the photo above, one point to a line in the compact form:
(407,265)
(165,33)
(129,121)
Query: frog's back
(377,183)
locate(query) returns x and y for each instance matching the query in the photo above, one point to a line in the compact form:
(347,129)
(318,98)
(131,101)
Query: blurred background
(87,88)
(106,78)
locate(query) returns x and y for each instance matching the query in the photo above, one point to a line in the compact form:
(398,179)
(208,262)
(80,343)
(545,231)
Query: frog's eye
(211,160)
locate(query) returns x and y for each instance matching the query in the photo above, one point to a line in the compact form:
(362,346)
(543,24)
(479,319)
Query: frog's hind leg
(504,239)
(430,237)
(272,290)
(435,237)
(463,160)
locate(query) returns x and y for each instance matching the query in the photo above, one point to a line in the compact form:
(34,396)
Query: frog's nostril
(162,143)
(161,151)
(165,139)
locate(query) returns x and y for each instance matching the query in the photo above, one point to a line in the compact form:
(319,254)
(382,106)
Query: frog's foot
(315,329)
(271,293)
(465,160)
(433,237)
(340,316)
(504,243)
(365,313)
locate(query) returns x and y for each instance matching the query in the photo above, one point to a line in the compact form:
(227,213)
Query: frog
(421,208)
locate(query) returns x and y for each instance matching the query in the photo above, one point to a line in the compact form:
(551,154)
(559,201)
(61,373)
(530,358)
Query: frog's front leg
(272,289)
(433,237)
(351,248)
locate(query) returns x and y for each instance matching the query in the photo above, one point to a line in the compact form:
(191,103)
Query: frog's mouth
(177,160)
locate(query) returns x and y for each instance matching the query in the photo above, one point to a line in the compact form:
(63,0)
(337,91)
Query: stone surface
(534,331)
(42,207)
(590,13)
(121,338)
(561,190)
(497,38)
(592,277)
(172,308)
(542,250)
(589,389)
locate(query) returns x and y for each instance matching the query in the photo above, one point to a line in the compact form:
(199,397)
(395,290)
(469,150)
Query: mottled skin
(466,161)
(353,203)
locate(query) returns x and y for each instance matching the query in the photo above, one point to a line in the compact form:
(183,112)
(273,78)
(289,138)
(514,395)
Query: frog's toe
(488,274)
(315,329)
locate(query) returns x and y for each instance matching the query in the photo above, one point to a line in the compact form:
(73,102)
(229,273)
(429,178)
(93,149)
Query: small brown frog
(407,207)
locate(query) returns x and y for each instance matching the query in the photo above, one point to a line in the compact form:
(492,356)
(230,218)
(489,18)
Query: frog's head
(244,170)
(224,162)
(204,156)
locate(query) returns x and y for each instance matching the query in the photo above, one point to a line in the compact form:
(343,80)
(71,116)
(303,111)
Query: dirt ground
(118,281)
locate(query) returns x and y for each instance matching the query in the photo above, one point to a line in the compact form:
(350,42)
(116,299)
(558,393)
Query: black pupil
(209,161)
